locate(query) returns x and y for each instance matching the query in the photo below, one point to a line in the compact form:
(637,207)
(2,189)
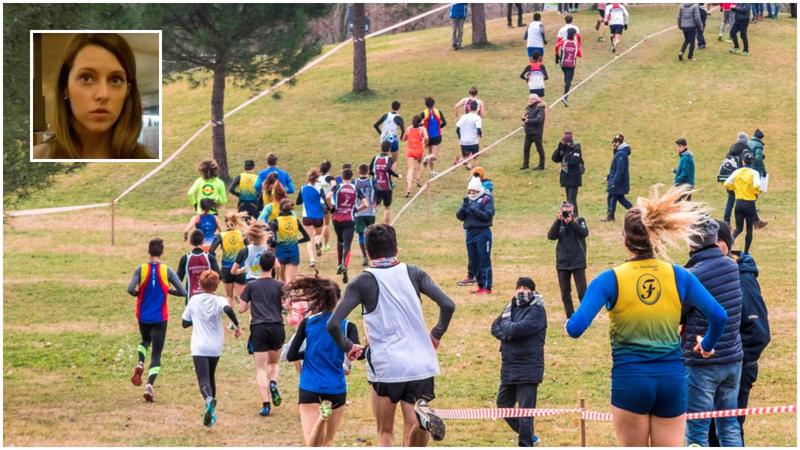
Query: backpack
(728,166)
(569,52)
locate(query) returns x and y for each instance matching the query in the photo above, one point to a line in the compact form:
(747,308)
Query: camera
(565,214)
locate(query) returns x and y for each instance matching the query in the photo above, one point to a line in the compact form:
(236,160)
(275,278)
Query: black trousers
(745,213)
(749,376)
(155,334)
(565,285)
(205,367)
(519,13)
(613,199)
(689,35)
(526,149)
(741,28)
(344,239)
(572,197)
(524,396)
(569,73)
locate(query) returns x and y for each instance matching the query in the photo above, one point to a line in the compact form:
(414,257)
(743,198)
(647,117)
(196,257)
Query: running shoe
(425,159)
(745,53)
(327,247)
(428,420)
(318,247)
(536,441)
(467,281)
(312,263)
(339,269)
(276,396)
(208,415)
(325,409)
(434,173)
(680,56)
(149,395)
(345,279)
(408,194)
(735,51)
(365,262)
(482,291)
(136,379)
(419,184)
(565,102)
(601,39)
(719,38)
(264,410)
(597,25)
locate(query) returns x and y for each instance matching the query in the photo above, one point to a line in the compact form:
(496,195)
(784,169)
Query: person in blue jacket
(477,211)
(618,180)
(644,297)
(283,176)
(713,383)
(458,14)
(684,173)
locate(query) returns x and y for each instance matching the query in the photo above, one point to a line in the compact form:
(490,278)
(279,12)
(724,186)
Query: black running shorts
(407,391)
(267,337)
(337,400)
(228,277)
(434,141)
(383,197)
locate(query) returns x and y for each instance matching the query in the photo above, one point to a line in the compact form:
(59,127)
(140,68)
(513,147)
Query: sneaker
(408,194)
(482,291)
(467,281)
(538,168)
(136,379)
(325,409)
(565,102)
(339,269)
(745,53)
(276,396)
(729,41)
(327,247)
(719,38)
(149,395)
(428,420)
(735,51)
(613,48)
(597,25)
(760,224)
(680,56)
(523,168)
(434,173)
(264,410)
(312,263)
(318,247)
(608,218)
(601,39)
(209,418)
(419,185)
(536,441)
(345,279)
(425,161)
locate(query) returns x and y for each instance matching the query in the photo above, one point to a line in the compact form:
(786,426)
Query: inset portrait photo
(96,96)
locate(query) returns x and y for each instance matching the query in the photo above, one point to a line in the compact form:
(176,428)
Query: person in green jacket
(208,185)
(684,173)
(756,145)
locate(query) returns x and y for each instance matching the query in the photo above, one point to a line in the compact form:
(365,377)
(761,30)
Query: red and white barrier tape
(502,413)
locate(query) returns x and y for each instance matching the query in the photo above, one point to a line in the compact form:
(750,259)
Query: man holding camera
(571,233)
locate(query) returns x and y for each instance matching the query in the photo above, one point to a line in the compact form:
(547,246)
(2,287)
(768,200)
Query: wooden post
(583,424)
(113,205)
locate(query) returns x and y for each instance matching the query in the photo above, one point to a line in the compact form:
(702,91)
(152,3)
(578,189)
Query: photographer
(569,154)
(570,232)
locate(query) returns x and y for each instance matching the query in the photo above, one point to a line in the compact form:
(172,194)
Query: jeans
(741,28)
(745,214)
(526,149)
(756,9)
(572,197)
(458,32)
(727,21)
(479,252)
(612,203)
(749,376)
(726,216)
(713,388)
(566,287)
(569,73)
(524,396)
(519,13)
(688,40)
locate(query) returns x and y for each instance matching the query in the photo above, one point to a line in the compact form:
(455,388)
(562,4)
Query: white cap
(475,184)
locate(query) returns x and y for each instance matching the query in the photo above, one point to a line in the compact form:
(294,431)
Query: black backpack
(728,166)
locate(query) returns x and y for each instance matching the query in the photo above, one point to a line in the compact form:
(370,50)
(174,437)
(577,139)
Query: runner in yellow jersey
(231,241)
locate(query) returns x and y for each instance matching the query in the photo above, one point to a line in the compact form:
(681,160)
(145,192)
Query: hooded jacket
(684,173)
(689,16)
(755,320)
(571,159)
(535,122)
(521,331)
(619,179)
(756,146)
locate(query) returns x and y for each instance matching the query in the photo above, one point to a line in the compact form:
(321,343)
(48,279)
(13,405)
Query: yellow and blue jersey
(232,243)
(247,187)
(287,230)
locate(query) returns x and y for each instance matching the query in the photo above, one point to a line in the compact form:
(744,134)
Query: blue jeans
(713,388)
(756,9)
(479,249)
(772,10)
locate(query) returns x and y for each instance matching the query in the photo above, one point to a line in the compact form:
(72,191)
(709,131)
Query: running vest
(345,198)
(247,187)
(195,265)
(615,14)
(535,33)
(322,371)
(323,184)
(569,53)
(647,312)
(207,223)
(365,189)
(400,347)
(415,141)
(381,170)
(466,104)
(389,128)
(151,301)
(288,230)
(232,243)
(432,118)
(312,202)
(536,76)
(251,263)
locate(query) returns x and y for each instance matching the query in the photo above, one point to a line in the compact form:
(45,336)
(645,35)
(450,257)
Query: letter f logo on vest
(648,288)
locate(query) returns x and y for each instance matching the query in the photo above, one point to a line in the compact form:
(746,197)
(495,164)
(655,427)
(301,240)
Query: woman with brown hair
(277,194)
(644,297)
(207,185)
(98,105)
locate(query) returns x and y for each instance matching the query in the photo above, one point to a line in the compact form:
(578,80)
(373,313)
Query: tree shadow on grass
(356,97)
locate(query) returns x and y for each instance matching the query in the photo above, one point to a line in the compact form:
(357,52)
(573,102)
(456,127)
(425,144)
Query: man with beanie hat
(521,329)
(569,154)
(244,187)
(713,383)
(570,231)
(477,211)
(756,145)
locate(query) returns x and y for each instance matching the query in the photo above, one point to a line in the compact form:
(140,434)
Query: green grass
(70,333)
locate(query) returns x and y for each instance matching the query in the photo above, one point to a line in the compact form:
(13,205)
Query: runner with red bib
(347,200)
(567,54)
(194,263)
(381,170)
(535,75)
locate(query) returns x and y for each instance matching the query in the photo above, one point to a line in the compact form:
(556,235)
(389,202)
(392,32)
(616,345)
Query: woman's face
(96,89)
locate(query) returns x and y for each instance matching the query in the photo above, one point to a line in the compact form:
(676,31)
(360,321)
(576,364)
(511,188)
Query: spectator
(519,14)
(477,211)
(726,20)
(283,176)
(618,179)
(458,14)
(571,233)
(701,39)
(713,383)
(690,22)
(684,173)
(741,20)
(756,146)
(736,152)
(772,10)
(521,329)
(480,172)
(533,120)
(569,154)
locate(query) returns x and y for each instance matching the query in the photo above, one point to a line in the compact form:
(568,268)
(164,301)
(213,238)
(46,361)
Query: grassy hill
(70,334)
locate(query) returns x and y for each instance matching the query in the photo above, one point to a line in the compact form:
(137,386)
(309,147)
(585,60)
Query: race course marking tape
(502,413)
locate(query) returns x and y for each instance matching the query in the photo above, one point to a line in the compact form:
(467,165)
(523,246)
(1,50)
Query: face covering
(475,196)
(528,298)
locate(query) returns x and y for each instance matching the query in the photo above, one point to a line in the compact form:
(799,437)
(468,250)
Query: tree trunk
(359,49)
(478,25)
(218,125)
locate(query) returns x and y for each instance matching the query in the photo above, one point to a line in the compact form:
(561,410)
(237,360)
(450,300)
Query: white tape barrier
(44,211)
(517,130)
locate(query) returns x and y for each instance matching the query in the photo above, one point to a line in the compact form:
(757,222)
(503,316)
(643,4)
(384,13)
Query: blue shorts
(662,396)
(288,254)
(536,49)
(616,29)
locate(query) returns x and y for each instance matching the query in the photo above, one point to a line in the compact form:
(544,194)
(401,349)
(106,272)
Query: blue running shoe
(209,418)
(264,410)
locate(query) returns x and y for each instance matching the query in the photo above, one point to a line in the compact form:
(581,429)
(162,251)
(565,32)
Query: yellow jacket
(745,184)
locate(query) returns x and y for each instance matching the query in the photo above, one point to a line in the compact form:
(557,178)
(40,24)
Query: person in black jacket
(754,329)
(618,181)
(569,154)
(521,330)
(533,120)
(741,19)
(570,232)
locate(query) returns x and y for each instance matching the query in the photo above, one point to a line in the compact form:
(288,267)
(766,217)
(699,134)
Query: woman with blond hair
(644,297)
(207,185)
(232,242)
(247,260)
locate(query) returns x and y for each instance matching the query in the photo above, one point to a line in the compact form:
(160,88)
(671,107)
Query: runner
(263,297)
(288,237)
(202,313)
(314,204)
(273,208)
(207,222)
(150,285)
(231,241)
(194,263)
(208,185)
(399,370)
(365,189)
(387,127)
(283,176)
(462,107)
(417,138)
(534,36)
(247,260)
(617,17)
(323,387)
(468,129)
(347,201)
(535,75)
(567,54)
(381,170)
(244,187)
(434,121)
(599,25)
(562,32)
(745,183)
(267,189)
(644,298)
(324,183)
